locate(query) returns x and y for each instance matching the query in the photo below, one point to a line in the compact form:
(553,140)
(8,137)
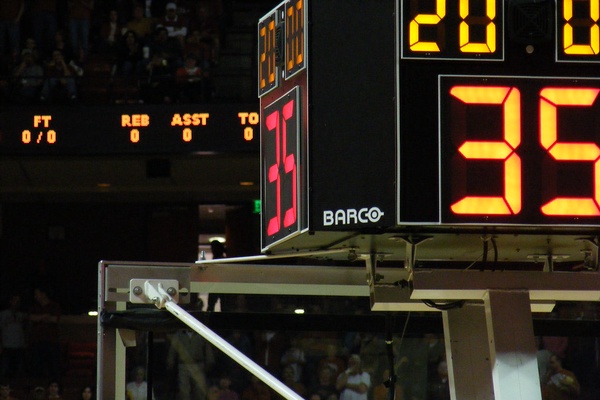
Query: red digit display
(280,138)
(519,150)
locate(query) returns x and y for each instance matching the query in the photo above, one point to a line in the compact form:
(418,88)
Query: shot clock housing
(410,118)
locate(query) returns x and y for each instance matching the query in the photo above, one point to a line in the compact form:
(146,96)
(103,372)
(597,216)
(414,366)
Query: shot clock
(429,116)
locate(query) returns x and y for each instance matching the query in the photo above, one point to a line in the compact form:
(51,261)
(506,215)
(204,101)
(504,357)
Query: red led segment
(280,138)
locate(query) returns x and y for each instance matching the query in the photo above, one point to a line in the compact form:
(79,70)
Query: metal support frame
(155,292)
(497,308)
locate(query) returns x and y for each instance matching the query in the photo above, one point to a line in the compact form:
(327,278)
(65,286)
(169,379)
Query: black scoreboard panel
(476,116)
(505,133)
(129,129)
(339,75)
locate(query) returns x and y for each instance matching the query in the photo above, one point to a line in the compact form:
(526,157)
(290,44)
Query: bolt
(137,291)
(172,291)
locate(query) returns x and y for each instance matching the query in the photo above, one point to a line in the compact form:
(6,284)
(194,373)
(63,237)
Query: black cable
(149,363)
(485,254)
(389,342)
(444,306)
(495,247)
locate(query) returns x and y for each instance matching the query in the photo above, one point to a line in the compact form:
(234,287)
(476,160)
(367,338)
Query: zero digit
(467,21)
(294,32)
(590,24)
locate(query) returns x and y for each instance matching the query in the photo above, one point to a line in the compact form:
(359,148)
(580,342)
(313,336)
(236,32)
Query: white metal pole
(223,345)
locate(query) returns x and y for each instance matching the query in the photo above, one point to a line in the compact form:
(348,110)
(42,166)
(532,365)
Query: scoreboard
(128,129)
(396,116)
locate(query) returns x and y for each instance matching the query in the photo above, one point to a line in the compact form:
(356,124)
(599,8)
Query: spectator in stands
(154,8)
(196,47)
(158,87)
(111,32)
(31,45)
(295,358)
(44,23)
(241,341)
(61,44)
(205,24)
(257,390)
(54,391)
(438,388)
(38,393)
(169,49)
(87,393)
(59,78)
(141,25)
(80,13)
(324,386)
(44,337)
(12,326)
(226,392)
(174,23)
(11,12)
(5,392)
(213,393)
(288,377)
(138,388)
(193,357)
(129,55)
(269,348)
(333,361)
(189,78)
(354,383)
(559,383)
(382,390)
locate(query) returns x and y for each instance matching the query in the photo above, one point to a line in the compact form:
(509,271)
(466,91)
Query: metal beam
(473,285)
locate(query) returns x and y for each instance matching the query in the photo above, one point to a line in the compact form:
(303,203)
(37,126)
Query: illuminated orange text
(190,119)
(135,120)
(251,118)
(43,120)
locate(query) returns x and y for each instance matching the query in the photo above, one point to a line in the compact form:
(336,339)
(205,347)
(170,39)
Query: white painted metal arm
(161,298)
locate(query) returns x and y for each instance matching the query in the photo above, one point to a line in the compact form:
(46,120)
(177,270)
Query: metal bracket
(410,257)
(590,261)
(153,291)
(548,260)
